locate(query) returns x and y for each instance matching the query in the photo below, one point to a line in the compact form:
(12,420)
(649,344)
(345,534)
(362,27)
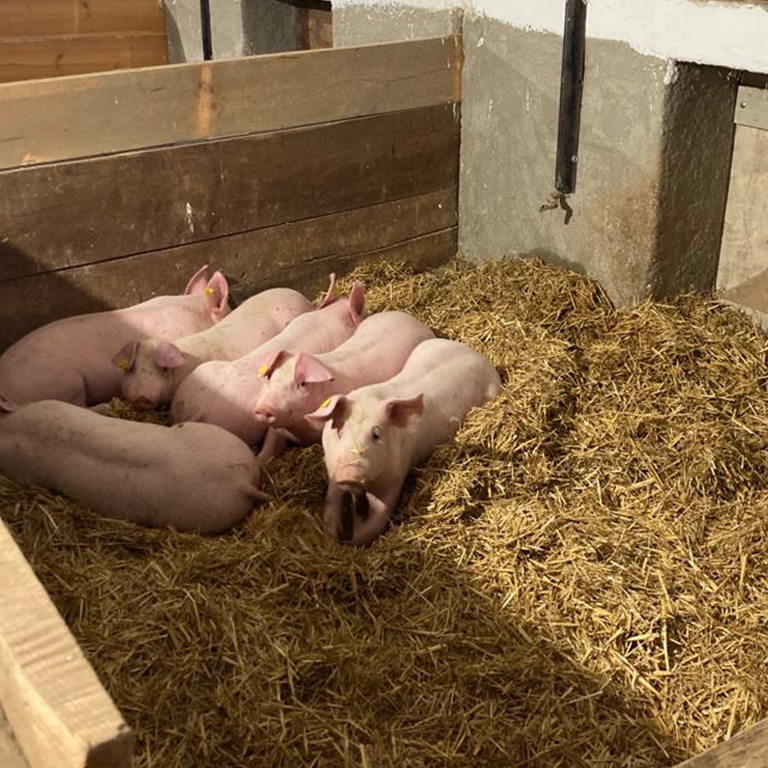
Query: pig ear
(125,359)
(168,355)
(309,369)
(334,407)
(218,290)
(329,298)
(267,365)
(400,411)
(6,406)
(197,282)
(357,302)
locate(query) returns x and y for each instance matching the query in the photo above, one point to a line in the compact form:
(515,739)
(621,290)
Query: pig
(154,368)
(223,393)
(298,383)
(194,477)
(373,436)
(69,359)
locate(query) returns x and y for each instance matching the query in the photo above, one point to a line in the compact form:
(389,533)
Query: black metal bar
(205,20)
(571,88)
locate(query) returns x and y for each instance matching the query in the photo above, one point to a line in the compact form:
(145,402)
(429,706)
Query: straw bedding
(578,579)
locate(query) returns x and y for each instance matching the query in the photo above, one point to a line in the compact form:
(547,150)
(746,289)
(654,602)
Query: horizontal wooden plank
(42,18)
(186,102)
(422,253)
(87,211)
(748,749)
(752,107)
(59,711)
(276,255)
(32,58)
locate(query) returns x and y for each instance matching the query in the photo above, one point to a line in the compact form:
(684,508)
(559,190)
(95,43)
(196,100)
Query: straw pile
(578,579)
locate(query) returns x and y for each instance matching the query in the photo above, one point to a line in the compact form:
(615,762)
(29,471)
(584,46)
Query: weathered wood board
(43,18)
(748,749)
(59,711)
(104,208)
(421,230)
(32,58)
(744,248)
(10,751)
(188,102)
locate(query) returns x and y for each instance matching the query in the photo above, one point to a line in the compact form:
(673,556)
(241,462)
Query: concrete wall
(239,28)
(656,133)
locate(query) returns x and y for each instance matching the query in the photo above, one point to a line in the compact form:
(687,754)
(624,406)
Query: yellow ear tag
(123,364)
(209,291)
(263,368)
(326,403)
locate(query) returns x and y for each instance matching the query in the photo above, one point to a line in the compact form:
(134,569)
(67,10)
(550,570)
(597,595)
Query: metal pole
(205,19)
(571,88)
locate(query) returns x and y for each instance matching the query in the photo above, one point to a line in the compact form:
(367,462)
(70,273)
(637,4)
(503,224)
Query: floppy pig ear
(400,411)
(218,289)
(332,408)
(311,370)
(329,298)
(6,406)
(267,366)
(125,359)
(168,355)
(197,282)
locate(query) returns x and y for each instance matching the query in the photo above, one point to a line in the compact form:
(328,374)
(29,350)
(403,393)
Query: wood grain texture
(315,28)
(45,18)
(744,242)
(297,254)
(748,749)
(10,751)
(83,212)
(33,58)
(59,712)
(187,102)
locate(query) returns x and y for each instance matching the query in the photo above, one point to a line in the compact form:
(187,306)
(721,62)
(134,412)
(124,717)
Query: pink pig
(373,436)
(194,477)
(298,383)
(69,359)
(223,393)
(154,368)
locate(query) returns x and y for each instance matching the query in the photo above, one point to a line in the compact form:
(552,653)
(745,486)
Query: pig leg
(273,446)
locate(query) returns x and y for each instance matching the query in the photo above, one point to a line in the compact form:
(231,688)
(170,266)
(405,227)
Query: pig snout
(265,415)
(142,403)
(349,474)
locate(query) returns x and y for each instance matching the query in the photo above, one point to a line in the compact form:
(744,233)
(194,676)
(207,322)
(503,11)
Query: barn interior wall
(238,28)
(653,160)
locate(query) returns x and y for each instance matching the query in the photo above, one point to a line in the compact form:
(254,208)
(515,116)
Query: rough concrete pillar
(238,27)
(363,23)
(653,161)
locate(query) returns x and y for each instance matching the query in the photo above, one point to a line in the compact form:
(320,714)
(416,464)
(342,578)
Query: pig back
(252,324)
(192,476)
(379,348)
(454,378)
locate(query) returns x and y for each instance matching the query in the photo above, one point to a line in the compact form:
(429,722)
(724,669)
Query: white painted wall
(729,34)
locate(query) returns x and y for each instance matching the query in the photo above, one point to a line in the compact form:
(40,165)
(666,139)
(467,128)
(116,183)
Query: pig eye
(376,433)
(163,369)
(302,385)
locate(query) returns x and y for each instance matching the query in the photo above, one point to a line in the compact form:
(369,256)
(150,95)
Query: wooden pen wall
(50,38)
(275,169)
